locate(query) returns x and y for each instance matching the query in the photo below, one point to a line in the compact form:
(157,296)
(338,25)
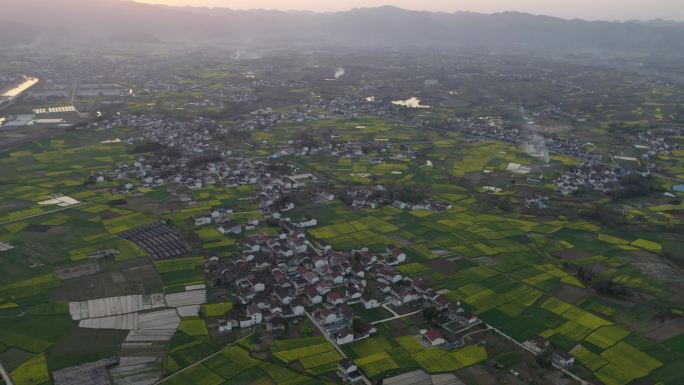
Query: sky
(584,9)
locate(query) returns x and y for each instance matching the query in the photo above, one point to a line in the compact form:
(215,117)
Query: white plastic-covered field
(111,306)
(193,295)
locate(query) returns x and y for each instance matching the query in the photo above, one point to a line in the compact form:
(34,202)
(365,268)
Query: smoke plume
(536,147)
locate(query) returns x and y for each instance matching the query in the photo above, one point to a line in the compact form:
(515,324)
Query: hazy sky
(586,9)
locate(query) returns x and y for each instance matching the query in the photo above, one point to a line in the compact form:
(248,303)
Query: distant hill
(660,23)
(363,28)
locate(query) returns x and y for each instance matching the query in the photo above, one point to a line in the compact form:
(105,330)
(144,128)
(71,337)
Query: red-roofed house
(441,303)
(334,298)
(434,337)
(325,316)
(313,295)
(311,277)
(395,257)
(390,274)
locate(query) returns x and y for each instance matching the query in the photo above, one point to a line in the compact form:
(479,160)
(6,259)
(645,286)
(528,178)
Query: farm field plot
(378,355)
(625,364)
(292,350)
(440,361)
(236,366)
(33,371)
(375,364)
(194,327)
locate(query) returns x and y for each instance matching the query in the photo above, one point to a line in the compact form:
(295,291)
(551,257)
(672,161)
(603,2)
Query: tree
(636,185)
(357,325)
(544,360)
(605,216)
(430,314)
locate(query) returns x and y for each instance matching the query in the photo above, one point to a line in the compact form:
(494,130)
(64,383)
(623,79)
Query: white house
(257,284)
(297,307)
(246,322)
(225,326)
(349,372)
(347,366)
(202,220)
(345,336)
(338,279)
(230,228)
(369,302)
(334,298)
(284,296)
(325,316)
(390,274)
(562,359)
(254,312)
(297,245)
(289,207)
(395,257)
(467,319)
(323,287)
(353,295)
(312,295)
(311,277)
(251,246)
(403,296)
(307,222)
(320,262)
(537,344)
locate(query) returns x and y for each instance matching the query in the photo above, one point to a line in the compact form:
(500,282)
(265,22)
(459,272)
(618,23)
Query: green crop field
(625,364)
(194,327)
(331,356)
(293,350)
(32,372)
(439,361)
(216,309)
(375,364)
(607,336)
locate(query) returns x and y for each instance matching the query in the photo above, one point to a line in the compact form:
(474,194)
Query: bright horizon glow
(568,9)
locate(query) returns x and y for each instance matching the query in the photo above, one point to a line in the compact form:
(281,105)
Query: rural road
(339,350)
(396,316)
(5,376)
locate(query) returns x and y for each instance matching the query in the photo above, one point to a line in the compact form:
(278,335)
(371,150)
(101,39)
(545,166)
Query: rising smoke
(339,72)
(536,147)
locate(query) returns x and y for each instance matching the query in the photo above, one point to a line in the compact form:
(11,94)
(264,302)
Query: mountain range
(29,21)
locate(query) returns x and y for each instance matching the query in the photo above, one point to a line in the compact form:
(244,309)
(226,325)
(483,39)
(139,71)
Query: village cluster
(595,177)
(277,277)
